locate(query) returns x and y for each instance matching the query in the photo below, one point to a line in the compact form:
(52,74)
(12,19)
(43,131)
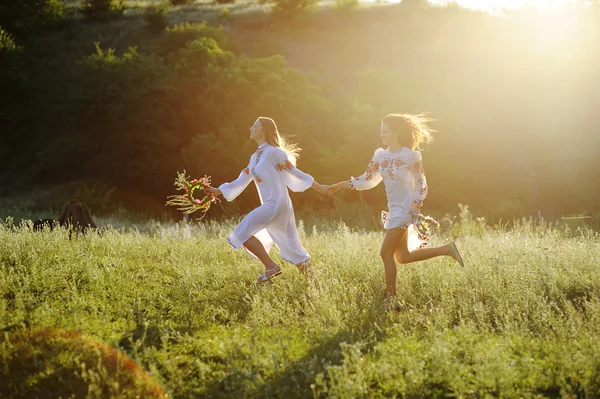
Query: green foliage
(347,4)
(290,7)
(98,195)
(520,320)
(465,224)
(179,2)
(136,115)
(14,82)
(185,98)
(178,36)
(7,42)
(96,10)
(80,365)
(30,17)
(156,17)
(225,13)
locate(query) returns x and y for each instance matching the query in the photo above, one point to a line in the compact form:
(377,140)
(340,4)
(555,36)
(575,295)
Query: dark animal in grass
(38,225)
(76,216)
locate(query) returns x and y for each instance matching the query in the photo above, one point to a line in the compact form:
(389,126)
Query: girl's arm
(231,190)
(366,181)
(420,184)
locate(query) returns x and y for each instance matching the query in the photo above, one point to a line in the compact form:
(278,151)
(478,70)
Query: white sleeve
(419,183)
(294,178)
(231,190)
(369,179)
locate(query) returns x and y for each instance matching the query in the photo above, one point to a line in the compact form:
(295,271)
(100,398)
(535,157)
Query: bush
(347,4)
(7,42)
(178,36)
(107,372)
(14,82)
(30,17)
(180,2)
(95,10)
(290,7)
(225,13)
(156,17)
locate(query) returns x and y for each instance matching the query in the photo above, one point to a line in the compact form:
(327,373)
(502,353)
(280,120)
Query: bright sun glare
(496,6)
(552,24)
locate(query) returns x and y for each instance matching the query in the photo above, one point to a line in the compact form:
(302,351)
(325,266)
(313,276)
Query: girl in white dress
(401,169)
(272,168)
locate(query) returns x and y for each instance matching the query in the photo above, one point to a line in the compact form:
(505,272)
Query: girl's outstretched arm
(366,181)
(420,183)
(231,190)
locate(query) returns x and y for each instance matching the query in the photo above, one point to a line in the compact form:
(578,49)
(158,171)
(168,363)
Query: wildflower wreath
(190,202)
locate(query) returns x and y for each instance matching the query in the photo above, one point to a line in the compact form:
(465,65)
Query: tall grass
(521,319)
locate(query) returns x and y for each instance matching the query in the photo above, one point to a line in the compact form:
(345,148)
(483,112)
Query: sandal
(456,254)
(268,275)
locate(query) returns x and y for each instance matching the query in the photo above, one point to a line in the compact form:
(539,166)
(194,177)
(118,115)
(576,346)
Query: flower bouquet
(194,198)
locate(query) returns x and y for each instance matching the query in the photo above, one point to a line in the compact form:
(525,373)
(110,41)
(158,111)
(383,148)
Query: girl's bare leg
(395,244)
(388,248)
(254,245)
(403,255)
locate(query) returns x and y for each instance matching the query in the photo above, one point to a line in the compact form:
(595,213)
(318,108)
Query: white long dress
(273,221)
(405,186)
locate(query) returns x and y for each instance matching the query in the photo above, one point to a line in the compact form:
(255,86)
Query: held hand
(332,189)
(212,191)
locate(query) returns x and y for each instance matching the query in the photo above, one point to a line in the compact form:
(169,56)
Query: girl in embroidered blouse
(401,169)
(272,168)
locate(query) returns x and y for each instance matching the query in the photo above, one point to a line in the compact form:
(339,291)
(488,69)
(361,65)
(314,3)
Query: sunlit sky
(495,6)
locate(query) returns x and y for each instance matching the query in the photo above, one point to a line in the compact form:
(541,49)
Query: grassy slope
(521,318)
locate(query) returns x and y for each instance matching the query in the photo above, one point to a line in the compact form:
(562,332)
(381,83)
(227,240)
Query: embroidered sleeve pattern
(285,166)
(420,186)
(367,180)
(294,178)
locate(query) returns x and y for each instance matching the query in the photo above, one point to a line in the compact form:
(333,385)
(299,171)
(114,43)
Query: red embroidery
(286,166)
(398,162)
(247,171)
(385,163)
(258,154)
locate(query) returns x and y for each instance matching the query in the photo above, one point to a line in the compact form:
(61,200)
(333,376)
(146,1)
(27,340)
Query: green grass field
(522,319)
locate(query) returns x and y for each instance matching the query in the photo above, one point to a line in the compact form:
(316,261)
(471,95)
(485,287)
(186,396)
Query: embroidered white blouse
(273,221)
(405,184)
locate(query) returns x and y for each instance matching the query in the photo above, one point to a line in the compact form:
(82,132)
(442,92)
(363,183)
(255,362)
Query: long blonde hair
(274,138)
(412,129)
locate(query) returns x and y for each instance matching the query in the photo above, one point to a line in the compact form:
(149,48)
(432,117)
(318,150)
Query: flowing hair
(412,129)
(274,138)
